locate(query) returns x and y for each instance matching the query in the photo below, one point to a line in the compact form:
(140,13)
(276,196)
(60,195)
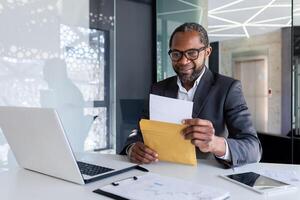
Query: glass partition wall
(295,133)
(251,42)
(60,54)
(170,14)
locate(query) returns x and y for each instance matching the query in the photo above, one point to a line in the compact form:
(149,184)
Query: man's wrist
(219,147)
(227,155)
(129,149)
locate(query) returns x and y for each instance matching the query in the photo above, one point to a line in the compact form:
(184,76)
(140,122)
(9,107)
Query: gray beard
(190,79)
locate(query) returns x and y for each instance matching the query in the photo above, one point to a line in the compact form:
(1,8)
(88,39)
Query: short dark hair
(191,26)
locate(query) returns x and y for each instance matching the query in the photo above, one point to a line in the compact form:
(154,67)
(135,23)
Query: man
(219,105)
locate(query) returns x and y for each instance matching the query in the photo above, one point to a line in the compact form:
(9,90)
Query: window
(60,54)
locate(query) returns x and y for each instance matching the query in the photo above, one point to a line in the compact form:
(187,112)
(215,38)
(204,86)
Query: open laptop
(39,143)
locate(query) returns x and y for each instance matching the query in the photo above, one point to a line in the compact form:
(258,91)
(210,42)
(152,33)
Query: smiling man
(221,126)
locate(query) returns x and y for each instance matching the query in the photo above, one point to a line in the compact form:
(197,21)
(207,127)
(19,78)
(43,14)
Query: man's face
(189,70)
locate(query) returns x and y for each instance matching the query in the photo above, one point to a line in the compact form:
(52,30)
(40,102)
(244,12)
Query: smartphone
(259,183)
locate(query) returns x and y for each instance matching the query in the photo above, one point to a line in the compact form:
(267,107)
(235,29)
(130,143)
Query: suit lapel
(172,88)
(202,92)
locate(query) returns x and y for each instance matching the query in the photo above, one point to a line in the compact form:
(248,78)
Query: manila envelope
(166,139)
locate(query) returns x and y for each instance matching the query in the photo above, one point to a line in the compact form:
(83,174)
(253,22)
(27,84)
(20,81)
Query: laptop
(39,143)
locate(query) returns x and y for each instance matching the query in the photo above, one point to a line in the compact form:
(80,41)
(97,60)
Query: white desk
(17,183)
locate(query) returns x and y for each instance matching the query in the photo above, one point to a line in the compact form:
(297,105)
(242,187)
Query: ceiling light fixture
(228,23)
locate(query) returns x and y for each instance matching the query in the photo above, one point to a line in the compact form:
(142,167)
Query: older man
(219,105)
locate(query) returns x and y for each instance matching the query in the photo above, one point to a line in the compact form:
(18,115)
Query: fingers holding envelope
(201,133)
(142,154)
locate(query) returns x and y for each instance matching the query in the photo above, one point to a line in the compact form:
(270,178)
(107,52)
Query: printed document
(154,186)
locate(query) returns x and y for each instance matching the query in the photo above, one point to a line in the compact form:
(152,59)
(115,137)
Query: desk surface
(18,183)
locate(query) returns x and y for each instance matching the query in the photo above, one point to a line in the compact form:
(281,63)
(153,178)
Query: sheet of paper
(166,140)
(154,186)
(291,177)
(169,110)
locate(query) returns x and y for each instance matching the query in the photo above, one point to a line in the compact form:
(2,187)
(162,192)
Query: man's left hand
(202,134)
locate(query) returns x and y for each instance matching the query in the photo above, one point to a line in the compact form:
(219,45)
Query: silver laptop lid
(38,142)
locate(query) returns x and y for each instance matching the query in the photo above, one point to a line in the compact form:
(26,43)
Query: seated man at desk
(219,105)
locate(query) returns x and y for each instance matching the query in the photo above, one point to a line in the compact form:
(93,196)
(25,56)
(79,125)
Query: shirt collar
(181,88)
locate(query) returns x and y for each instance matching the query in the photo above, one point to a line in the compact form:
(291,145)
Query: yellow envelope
(166,140)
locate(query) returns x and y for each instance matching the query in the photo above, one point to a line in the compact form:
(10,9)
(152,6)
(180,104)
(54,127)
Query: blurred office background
(94,62)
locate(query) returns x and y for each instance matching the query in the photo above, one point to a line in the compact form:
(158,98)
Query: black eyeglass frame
(184,53)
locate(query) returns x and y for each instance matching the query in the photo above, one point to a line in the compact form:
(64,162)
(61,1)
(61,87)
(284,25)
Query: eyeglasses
(191,54)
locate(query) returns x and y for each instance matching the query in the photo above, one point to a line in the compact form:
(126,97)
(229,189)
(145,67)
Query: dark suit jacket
(220,100)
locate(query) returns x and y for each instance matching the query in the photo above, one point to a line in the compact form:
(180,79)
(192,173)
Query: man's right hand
(141,154)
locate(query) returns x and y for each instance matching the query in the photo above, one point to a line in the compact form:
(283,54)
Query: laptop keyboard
(92,170)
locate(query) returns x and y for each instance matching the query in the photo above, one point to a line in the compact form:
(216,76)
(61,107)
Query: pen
(116,183)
